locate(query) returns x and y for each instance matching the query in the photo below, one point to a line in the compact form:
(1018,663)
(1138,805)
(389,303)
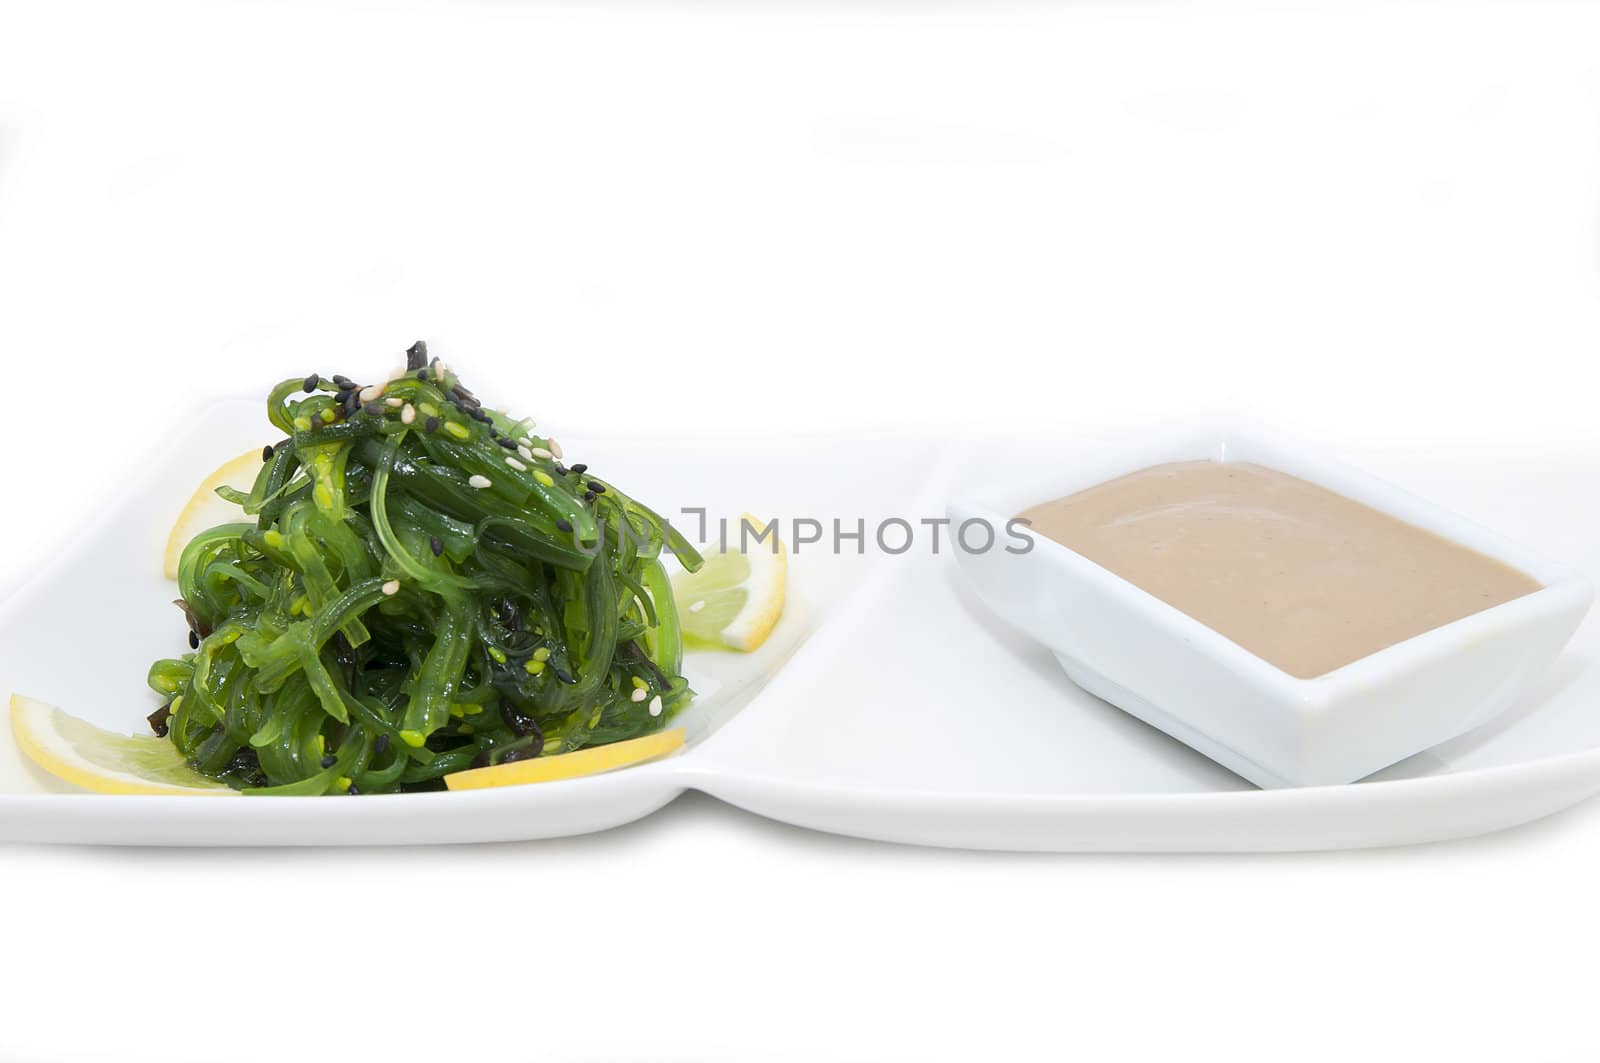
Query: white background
(1369,222)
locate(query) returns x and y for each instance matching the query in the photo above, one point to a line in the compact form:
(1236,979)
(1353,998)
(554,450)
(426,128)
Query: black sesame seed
(477,414)
(422,375)
(373,409)
(329,761)
(563,675)
(564,525)
(381,745)
(158,720)
(431,425)
(266,452)
(194,641)
(352,791)
(311,382)
(597,487)
(196,624)
(344,382)
(589,496)
(561,470)
(436,544)
(507,443)
(580,468)
(416,356)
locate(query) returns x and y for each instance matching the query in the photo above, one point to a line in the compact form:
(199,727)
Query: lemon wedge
(78,752)
(206,509)
(736,598)
(569,765)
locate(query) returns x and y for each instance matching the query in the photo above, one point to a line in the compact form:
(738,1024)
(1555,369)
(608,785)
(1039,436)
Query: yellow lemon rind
(572,765)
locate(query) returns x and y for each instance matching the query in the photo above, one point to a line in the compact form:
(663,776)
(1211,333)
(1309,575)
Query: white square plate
(890,704)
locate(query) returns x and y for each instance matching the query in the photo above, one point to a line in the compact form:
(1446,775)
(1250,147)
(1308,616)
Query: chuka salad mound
(425,588)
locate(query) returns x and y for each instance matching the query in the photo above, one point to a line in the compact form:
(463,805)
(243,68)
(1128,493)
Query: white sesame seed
(393,402)
(480,482)
(524,441)
(655,705)
(697,606)
(540,452)
(555,448)
(371,393)
(640,694)
(392,588)
(517,465)
(408,413)
(525,452)
(397,373)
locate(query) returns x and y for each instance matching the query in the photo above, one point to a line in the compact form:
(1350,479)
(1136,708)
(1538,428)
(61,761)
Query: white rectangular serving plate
(889,704)
(1146,656)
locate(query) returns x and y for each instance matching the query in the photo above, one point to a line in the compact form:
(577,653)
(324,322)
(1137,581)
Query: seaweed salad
(423,587)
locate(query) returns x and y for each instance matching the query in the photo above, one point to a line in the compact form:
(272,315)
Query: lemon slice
(569,765)
(80,753)
(736,598)
(206,509)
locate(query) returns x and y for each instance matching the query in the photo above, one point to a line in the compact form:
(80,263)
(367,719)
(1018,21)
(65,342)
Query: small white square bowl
(1128,647)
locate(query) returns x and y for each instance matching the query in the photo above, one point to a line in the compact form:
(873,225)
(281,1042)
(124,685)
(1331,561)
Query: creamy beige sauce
(1300,576)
